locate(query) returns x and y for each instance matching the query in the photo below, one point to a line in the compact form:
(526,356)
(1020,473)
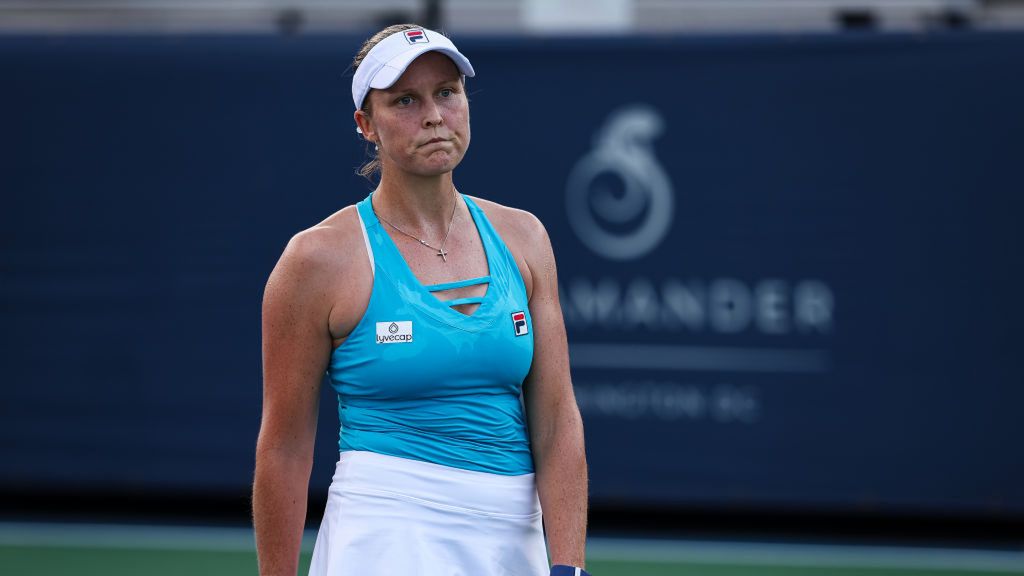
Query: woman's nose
(432,116)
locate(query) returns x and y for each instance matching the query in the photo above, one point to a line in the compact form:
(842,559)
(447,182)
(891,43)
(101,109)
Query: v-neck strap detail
(458,283)
(469,300)
(388,260)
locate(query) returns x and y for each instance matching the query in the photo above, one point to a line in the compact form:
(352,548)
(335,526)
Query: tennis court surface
(116,550)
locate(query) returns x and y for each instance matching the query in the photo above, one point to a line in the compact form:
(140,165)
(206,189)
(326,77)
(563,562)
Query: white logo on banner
(630,223)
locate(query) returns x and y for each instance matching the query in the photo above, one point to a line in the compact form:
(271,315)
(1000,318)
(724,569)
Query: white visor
(386,61)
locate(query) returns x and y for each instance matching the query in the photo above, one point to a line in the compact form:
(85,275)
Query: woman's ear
(364,125)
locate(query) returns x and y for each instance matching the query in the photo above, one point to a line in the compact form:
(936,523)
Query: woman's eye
(446,92)
(405,100)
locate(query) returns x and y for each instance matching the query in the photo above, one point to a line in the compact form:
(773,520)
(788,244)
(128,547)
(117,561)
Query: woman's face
(420,123)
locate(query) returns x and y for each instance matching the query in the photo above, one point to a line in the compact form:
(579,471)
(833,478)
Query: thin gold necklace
(440,251)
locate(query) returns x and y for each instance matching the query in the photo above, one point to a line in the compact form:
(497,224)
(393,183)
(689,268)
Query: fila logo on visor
(519,323)
(398,332)
(416,36)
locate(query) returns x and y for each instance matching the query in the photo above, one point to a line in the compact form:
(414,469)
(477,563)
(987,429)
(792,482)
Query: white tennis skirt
(399,517)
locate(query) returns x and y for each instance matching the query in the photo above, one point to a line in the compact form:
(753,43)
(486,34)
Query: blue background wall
(790,266)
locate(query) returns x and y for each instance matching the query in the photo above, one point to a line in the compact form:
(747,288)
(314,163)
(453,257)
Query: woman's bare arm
(556,429)
(296,349)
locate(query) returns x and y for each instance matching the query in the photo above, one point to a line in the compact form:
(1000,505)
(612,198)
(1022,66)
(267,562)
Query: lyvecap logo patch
(397,332)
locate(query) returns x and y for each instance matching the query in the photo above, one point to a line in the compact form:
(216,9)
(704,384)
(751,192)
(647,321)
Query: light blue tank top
(418,379)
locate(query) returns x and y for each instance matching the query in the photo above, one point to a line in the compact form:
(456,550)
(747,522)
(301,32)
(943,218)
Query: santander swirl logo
(619,199)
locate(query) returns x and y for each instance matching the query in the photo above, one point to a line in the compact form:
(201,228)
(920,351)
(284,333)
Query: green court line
(121,536)
(208,546)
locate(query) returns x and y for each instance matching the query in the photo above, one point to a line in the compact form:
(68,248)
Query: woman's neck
(419,205)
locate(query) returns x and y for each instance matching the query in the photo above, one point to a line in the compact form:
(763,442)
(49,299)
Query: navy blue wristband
(563,570)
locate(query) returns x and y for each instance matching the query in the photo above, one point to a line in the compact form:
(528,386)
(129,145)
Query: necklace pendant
(443,254)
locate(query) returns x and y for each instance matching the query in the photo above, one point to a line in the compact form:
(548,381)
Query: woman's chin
(439,163)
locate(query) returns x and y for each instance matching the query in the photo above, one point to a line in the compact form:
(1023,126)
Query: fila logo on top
(519,323)
(416,36)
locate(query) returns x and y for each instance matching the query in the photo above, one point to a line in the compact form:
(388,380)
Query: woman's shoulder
(323,275)
(525,236)
(327,248)
(518,224)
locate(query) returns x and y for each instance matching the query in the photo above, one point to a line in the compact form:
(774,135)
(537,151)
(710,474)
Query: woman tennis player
(436,316)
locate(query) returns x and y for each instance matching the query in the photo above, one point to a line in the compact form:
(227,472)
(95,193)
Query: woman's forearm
(279,495)
(562,486)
